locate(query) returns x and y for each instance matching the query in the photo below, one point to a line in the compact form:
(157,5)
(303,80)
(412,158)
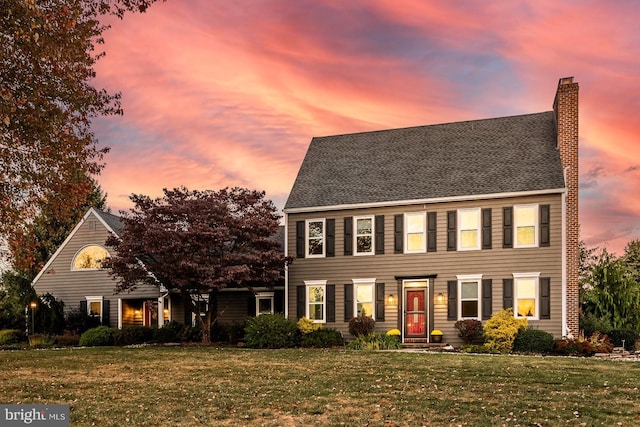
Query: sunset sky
(219,93)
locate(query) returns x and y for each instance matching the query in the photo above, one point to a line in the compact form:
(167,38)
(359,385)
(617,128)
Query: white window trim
(355,235)
(73,259)
(323,285)
(478,227)
(424,232)
(94,298)
(469,278)
(536,221)
(535,276)
(324,238)
(261,296)
(364,282)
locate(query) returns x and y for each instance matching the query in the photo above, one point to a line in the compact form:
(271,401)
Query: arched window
(89,257)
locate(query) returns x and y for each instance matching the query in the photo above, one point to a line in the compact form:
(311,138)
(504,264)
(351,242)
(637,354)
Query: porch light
(440,298)
(391,299)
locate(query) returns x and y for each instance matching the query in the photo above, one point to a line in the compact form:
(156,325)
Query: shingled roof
(113,221)
(480,157)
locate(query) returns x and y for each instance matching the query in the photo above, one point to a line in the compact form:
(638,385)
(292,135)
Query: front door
(415,314)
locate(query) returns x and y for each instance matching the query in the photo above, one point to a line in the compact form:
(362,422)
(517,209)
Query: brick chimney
(565,107)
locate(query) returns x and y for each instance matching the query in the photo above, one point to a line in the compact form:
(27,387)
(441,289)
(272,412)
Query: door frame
(408,284)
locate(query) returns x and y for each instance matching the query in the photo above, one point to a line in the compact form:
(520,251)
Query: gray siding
(496,263)
(73,286)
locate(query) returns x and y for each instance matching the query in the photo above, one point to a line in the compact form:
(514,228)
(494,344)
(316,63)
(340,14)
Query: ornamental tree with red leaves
(197,242)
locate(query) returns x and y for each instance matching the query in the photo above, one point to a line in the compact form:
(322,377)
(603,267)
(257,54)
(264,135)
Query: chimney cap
(565,81)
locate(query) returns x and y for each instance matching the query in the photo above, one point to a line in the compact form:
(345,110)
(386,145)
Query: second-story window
(415,226)
(315,230)
(525,221)
(363,235)
(468,229)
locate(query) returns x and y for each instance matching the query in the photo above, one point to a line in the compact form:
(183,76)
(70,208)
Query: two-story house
(420,227)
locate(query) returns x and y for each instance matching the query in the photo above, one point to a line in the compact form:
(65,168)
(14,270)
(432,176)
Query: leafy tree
(611,292)
(632,258)
(47,102)
(198,242)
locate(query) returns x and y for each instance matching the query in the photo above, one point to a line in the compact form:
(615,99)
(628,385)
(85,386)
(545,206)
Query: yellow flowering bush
(306,325)
(501,330)
(394,332)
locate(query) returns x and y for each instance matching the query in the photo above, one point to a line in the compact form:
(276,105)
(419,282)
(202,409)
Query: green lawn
(301,387)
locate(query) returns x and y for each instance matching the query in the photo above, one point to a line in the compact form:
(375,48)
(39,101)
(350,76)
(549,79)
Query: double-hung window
(315,238)
(468,229)
(469,290)
(364,297)
(526,225)
(415,234)
(363,235)
(526,295)
(316,300)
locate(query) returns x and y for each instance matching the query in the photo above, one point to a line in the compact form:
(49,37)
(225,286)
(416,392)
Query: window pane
(469,220)
(365,309)
(525,215)
(526,288)
(469,290)
(315,229)
(415,223)
(526,235)
(469,308)
(364,226)
(315,246)
(364,293)
(363,244)
(315,312)
(264,305)
(526,307)
(469,239)
(90,257)
(316,294)
(95,308)
(415,242)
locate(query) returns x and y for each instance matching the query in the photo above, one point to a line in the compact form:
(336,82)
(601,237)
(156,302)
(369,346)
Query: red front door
(415,318)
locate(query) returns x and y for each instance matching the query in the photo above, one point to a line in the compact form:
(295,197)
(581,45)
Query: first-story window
(469,301)
(315,300)
(264,303)
(526,294)
(94,307)
(364,289)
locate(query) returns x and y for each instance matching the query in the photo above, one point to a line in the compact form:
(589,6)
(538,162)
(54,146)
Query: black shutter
(188,309)
(379,234)
(301,298)
(106,312)
(278,302)
(487,298)
(398,234)
(432,224)
(348,236)
(331,237)
(507,227)
(331,303)
(348,302)
(251,305)
(83,307)
(300,236)
(486,228)
(451,230)
(507,293)
(452,300)
(379,302)
(545,298)
(544,226)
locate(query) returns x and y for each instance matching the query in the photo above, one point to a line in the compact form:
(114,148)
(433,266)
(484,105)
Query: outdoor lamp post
(33,306)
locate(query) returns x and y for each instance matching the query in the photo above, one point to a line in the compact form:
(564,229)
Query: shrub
(169,332)
(271,331)
(307,326)
(374,341)
(100,336)
(470,330)
(500,331)
(11,336)
(628,335)
(41,341)
(322,338)
(131,335)
(531,340)
(581,346)
(68,340)
(361,325)
(590,323)
(78,322)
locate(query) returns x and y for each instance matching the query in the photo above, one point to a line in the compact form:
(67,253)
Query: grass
(191,386)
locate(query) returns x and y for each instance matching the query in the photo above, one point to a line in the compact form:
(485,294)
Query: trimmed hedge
(97,337)
(322,338)
(531,340)
(132,335)
(271,331)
